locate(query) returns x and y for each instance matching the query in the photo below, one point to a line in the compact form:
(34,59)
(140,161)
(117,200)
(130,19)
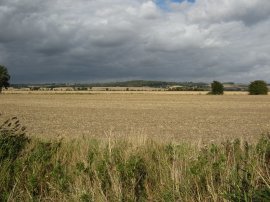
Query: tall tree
(4,77)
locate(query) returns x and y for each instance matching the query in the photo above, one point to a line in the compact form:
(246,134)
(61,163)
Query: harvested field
(170,116)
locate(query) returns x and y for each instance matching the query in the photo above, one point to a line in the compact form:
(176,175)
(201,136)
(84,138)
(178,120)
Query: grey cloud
(249,12)
(85,41)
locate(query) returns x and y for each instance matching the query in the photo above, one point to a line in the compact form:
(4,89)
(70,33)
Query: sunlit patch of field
(163,115)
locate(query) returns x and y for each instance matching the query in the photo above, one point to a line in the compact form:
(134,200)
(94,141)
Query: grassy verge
(121,170)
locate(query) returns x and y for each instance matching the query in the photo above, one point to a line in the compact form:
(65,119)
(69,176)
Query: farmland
(170,116)
(134,147)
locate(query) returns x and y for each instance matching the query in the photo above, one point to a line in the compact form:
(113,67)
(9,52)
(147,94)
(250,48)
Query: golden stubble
(165,116)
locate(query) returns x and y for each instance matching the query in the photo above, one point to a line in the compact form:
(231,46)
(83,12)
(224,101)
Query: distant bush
(82,88)
(217,88)
(35,88)
(258,87)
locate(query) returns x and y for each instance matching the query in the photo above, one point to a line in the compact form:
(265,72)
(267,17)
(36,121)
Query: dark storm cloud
(84,41)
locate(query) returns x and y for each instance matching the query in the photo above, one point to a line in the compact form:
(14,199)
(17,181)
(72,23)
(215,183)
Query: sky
(115,40)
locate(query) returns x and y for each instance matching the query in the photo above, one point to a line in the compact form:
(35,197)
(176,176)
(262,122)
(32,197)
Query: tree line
(258,87)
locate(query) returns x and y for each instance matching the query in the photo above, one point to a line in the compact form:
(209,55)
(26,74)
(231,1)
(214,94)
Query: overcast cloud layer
(99,40)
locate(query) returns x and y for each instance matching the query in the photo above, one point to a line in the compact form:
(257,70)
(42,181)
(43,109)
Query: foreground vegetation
(120,170)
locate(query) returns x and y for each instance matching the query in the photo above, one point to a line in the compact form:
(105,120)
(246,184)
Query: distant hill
(167,85)
(146,83)
(132,83)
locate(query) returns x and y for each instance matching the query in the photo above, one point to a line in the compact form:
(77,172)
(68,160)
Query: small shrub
(12,139)
(12,144)
(45,171)
(86,198)
(133,177)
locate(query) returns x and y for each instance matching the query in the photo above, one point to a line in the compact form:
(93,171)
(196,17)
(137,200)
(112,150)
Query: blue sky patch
(163,3)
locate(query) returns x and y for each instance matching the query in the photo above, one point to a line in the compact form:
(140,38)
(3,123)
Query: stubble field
(170,147)
(165,116)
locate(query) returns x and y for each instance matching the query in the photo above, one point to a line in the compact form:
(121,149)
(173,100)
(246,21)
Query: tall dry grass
(122,170)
